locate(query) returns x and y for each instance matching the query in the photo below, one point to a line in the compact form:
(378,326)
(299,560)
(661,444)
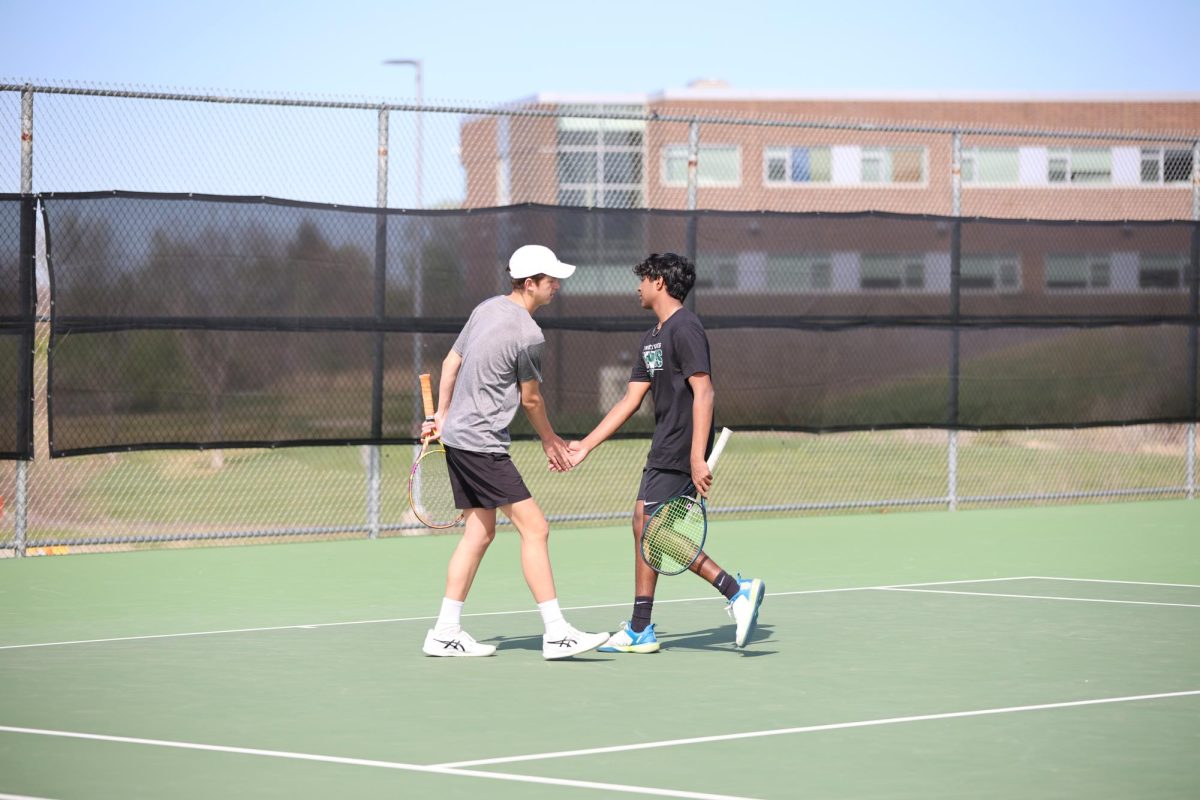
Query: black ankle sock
(643,607)
(726,584)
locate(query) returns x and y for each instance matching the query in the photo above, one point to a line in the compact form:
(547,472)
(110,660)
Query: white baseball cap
(533,259)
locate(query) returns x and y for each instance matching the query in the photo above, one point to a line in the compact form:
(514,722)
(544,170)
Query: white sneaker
(744,608)
(457,644)
(571,642)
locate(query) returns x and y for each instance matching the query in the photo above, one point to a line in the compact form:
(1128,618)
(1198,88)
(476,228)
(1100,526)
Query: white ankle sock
(552,616)
(450,618)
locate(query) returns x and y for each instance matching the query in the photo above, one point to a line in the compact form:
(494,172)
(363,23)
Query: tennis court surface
(1033,653)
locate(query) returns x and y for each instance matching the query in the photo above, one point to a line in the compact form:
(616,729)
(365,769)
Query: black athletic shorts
(660,485)
(484,480)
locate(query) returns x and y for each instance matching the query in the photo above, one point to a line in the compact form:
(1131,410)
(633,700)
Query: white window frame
(1158,156)
(870,151)
(997,263)
(670,152)
(595,192)
(775,151)
(970,154)
(905,262)
(1093,260)
(1182,262)
(1067,154)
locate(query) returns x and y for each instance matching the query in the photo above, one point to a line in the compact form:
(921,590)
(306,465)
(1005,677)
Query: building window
(895,273)
(893,165)
(1079,165)
(800,273)
(716,271)
(1162,271)
(784,166)
(990,273)
(1079,272)
(600,160)
(991,166)
(716,165)
(1164,165)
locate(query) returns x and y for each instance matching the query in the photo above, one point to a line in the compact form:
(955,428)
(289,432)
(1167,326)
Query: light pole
(418,277)
(416,64)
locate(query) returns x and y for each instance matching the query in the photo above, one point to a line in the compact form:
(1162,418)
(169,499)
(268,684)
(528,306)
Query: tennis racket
(674,535)
(429,491)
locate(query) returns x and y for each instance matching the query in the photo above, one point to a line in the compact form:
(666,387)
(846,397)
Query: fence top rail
(650,116)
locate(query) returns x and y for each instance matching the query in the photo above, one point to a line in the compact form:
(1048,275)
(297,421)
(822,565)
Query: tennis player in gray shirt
(494,367)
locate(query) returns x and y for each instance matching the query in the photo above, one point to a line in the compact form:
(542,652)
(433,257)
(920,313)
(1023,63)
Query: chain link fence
(1085,164)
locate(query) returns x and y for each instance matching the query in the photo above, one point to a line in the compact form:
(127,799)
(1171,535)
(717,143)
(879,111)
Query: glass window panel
(623,138)
(572,197)
(872,166)
(1091,165)
(1100,274)
(1161,272)
(622,167)
(776,170)
(1150,172)
(801,172)
(1177,166)
(968,168)
(577,137)
(675,165)
(880,272)
(622,198)
(1066,272)
(907,166)
(821,164)
(997,165)
(718,165)
(577,167)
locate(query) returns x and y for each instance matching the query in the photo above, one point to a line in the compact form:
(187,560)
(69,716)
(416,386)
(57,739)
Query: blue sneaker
(627,640)
(744,608)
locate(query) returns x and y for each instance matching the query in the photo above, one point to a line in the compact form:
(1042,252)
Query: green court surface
(1032,653)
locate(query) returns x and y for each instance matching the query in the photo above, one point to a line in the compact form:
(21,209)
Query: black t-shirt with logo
(667,359)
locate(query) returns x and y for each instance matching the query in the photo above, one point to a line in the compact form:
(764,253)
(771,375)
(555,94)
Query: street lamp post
(418,277)
(415,63)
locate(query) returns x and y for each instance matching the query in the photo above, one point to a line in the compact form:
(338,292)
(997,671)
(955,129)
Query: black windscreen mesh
(185,321)
(16,326)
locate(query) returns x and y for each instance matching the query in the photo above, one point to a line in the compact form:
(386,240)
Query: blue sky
(493,51)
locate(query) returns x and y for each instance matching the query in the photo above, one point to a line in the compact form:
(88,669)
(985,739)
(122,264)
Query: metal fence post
(374,451)
(21,506)
(955,285)
(693,172)
(1195,309)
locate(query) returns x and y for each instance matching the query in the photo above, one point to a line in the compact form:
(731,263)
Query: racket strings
(673,537)
(430,494)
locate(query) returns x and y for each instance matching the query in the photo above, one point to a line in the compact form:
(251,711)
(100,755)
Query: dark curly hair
(678,274)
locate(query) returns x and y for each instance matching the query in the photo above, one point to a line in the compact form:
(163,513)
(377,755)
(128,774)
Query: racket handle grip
(427,395)
(722,440)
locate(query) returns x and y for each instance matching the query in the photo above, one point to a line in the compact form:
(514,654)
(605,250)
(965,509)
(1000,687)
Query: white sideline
(812,728)
(1038,597)
(307,626)
(1104,580)
(366,762)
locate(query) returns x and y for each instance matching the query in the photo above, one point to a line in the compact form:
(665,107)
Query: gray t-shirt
(501,347)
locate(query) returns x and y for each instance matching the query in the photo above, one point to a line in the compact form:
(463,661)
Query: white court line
(1038,597)
(20,797)
(1102,580)
(307,626)
(366,762)
(812,728)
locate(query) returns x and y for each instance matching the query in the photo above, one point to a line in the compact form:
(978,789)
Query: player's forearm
(450,365)
(535,410)
(617,416)
(702,415)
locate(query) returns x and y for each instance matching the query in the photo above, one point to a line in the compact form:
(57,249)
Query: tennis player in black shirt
(674,367)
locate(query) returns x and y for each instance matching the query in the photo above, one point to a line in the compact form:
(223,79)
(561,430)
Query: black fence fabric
(17,227)
(184,321)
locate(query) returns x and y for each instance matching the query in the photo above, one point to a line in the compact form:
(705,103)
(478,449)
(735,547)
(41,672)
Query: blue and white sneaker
(627,640)
(744,608)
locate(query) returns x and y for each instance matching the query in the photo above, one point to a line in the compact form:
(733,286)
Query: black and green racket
(674,535)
